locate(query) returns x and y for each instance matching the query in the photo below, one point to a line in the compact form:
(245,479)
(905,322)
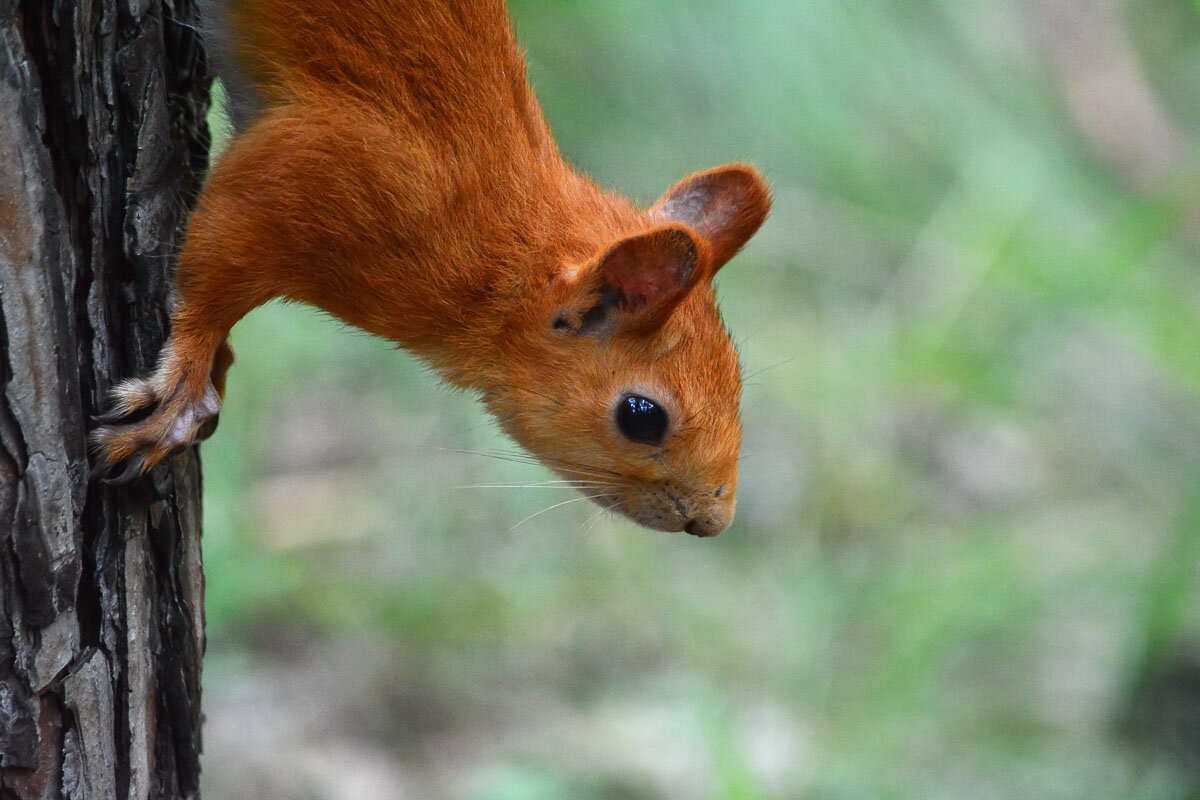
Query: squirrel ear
(641,278)
(725,205)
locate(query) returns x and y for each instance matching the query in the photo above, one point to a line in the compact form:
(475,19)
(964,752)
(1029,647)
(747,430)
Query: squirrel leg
(281,216)
(219,281)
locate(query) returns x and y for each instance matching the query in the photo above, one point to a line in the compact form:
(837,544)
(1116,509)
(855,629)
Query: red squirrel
(391,165)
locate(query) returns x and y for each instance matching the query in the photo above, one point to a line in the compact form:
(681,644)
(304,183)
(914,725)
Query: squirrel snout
(708,519)
(714,515)
(665,510)
(715,520)
(703,527)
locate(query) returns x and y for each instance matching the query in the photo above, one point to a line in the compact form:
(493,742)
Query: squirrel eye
(641,419)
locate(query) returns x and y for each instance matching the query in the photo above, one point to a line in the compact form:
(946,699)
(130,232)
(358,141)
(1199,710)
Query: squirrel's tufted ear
(725,205)
(637,282)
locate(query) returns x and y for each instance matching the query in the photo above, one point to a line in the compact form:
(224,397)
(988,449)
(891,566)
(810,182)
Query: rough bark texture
(102,142)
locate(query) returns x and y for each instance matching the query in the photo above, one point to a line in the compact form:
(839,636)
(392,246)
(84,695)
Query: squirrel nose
(705,519)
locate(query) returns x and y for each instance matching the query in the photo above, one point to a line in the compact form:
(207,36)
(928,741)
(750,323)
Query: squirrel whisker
(556,505)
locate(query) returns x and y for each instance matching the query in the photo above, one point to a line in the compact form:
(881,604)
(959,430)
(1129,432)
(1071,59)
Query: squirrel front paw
(176,419)
(151,418)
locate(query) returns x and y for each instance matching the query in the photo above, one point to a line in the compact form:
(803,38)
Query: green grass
(967,520)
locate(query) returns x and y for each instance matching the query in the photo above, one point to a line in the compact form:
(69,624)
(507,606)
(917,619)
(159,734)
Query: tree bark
(102,146)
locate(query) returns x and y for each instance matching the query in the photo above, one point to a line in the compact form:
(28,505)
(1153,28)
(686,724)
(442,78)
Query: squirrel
(392,166)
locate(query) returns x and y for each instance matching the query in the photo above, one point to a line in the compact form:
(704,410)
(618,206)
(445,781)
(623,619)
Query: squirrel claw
(207,428)
(178,420)
(133,470)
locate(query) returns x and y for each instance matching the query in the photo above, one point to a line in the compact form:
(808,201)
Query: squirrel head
(630,383)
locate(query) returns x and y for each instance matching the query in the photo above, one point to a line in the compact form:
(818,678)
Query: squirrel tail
(271,52)
(231,60)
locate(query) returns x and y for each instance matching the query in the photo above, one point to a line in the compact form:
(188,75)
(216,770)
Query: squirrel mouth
(694,526)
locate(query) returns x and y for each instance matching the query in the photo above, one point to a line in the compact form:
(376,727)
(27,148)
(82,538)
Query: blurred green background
(964,562)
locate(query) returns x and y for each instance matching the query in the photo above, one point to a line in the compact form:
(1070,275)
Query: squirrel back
(418,60)
(393,167)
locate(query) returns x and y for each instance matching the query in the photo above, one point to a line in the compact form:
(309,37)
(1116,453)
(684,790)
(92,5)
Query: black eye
(641,419)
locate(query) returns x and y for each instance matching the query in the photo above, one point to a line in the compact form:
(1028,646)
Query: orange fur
(397,171)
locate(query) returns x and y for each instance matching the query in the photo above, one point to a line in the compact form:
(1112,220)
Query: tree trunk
(102,145)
